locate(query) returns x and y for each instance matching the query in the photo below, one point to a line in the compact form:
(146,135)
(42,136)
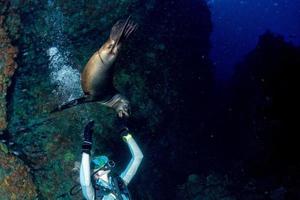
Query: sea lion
(97,75)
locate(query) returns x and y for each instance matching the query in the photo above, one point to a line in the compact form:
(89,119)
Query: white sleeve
(135,161)
(85,178)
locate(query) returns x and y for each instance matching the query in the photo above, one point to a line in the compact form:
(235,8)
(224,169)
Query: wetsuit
(85,172)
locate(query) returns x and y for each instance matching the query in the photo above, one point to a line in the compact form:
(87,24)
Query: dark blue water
(238,24)
(199,141)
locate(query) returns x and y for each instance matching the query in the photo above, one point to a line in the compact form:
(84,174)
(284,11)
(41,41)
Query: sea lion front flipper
(72,103)
(120,104)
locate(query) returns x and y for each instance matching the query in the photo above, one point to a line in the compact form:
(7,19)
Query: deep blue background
(237,25)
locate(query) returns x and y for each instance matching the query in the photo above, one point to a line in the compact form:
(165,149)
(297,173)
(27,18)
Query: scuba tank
(118,188)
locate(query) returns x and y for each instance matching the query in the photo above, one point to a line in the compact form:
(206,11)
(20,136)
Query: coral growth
(8,54)
(15,178)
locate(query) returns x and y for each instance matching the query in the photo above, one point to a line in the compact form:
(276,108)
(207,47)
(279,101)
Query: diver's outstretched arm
(135,161)
(85,178)
(85,169)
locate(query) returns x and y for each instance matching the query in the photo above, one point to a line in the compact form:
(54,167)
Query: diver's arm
(85,169)
(85,177)
(135,161)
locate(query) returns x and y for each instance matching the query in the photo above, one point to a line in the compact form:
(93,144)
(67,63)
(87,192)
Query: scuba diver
(97,179)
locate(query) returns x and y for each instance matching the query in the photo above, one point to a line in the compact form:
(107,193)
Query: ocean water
(211,87)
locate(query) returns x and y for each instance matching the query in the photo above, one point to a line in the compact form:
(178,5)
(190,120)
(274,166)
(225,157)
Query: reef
(229,186)
(58,37)
(264,86)
(53,46)
(9,30)
(254,126)
(16,181)
(197,145)
(15,176)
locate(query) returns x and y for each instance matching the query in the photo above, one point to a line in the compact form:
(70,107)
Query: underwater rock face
(15,178)
(264,91)
(256,125)
(57,38)
(63,34)
(231,186)
(205,188)
(84,17)
(8,53)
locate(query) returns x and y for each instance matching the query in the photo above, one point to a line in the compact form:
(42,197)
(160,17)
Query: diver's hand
(87,137)
(124,131)
(122,126)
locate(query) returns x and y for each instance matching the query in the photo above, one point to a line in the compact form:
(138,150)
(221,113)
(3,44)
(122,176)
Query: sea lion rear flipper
(72,103)
(122,29)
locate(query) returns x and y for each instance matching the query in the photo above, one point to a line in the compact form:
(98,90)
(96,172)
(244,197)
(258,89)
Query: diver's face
(101,173)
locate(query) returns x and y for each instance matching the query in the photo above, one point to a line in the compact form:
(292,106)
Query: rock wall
(15,177)
(16,181)
(9,26)
(57,39)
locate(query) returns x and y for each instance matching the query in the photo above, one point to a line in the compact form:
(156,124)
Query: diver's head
(101,166)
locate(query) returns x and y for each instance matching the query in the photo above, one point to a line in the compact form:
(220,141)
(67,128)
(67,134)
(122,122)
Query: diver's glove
(126,136)
(125,133)
(87,137)
(123,129)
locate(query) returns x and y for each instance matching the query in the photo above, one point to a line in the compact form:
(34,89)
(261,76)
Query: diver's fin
(72,103)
